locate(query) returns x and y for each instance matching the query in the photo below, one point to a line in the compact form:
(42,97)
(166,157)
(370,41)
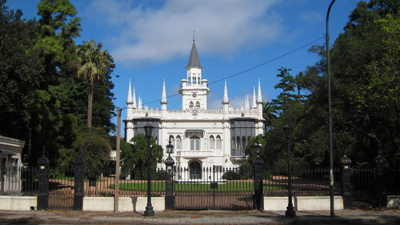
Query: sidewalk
(202,217)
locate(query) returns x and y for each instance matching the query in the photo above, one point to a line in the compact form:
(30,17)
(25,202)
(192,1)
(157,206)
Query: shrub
(231,175)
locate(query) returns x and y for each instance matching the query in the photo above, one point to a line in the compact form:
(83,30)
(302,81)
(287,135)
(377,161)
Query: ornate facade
(201,137)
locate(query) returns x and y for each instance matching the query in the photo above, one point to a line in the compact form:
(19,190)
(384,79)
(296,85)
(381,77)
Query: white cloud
(159,33)
(311,17)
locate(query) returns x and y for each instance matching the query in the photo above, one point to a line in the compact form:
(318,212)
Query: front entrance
(212,188)
(195,170)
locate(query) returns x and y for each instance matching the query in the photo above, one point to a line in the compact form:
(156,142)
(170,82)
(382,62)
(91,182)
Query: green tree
(287,84)
(57,28)
(136,157)
(20,74)
(94,64)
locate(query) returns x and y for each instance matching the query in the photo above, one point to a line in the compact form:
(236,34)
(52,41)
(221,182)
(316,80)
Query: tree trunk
(90,103)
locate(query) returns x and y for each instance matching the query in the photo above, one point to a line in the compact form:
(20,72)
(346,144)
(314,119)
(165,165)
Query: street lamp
(169,163)
(290,212)
(148,129)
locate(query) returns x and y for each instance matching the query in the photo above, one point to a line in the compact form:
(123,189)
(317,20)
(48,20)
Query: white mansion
(201,137)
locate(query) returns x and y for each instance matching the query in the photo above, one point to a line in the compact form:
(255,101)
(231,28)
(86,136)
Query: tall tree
(58,25)
(94,63)
(20,73)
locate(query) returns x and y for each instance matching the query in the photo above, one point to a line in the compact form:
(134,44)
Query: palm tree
(94,63)
(269,113)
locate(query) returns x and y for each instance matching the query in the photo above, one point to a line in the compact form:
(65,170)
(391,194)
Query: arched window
(244,142)
(198,80)
(194,143)
(238,146)
(178,142)
(189,81)
(172,140)
(198,104)
(218,142)
(191,104)
(233,143)
(212,142)
(194,80)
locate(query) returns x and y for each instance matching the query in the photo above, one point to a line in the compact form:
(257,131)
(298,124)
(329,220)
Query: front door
(195,170)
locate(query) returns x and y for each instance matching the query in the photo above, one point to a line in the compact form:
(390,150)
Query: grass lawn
(228,186)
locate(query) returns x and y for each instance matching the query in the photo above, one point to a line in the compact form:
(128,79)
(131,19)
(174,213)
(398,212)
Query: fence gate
(61,193)
(211,188)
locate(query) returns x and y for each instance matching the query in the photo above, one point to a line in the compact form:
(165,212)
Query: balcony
(198,154)
(238,155)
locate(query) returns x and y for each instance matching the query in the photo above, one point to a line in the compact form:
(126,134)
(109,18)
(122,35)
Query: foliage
(231,175)
(136,156)
(41,99)
(21,69)
(94,64)
(365,91)
(95,148)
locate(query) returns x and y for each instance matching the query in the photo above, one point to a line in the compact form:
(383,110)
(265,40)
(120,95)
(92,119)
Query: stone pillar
(380,186)
(258,183)
(346,182)
(43,185)
(79,188)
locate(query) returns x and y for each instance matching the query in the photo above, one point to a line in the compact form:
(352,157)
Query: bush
(231,175)
(246,170)
(160,175)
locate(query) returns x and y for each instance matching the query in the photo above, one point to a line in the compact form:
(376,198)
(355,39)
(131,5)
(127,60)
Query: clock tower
(194,89)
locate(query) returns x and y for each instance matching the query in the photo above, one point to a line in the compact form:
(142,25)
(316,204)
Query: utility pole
(116,194)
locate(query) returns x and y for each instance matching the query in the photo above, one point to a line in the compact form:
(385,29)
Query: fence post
(346,182)
(380,186)
(169,184)
(258,183)
(79,186)
(43,185)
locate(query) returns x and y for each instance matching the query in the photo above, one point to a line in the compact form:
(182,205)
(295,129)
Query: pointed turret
(259,97)
(164,98)
(129,100)
(194,89)
(246,103)
(226,100)
(140,103)
(194,60)
(254,105)
(134,99)
(164,95)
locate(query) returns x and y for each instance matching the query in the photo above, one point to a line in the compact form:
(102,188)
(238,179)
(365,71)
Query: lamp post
(258,179)
(148,129)
(169,163)
(330,112)
(290,212)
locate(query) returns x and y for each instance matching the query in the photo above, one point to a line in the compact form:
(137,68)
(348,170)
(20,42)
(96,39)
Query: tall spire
(164,95)
(134,98)
(129,100)
(226,100)
(194,60)
(246,102)
(140,103)
(254,105)
(259,97)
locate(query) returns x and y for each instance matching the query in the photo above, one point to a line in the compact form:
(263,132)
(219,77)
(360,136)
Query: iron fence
(305,181)
(133,183)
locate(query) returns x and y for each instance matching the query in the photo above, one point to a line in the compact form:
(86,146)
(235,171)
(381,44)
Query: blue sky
(151,41)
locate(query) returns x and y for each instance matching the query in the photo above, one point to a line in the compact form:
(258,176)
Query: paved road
(201,217)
